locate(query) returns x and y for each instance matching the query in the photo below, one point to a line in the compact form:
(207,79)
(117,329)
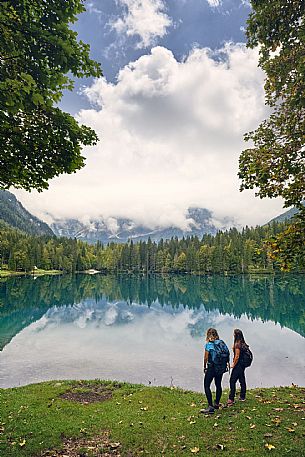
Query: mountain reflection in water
(90,326)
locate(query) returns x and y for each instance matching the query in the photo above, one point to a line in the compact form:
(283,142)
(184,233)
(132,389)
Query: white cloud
(246,3)
(214,3)
(171,133)
(90,6)
(145,19)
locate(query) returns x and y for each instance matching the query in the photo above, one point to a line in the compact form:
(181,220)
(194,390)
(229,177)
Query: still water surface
(148,329)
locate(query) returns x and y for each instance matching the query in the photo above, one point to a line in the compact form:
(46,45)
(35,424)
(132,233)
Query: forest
(228,252)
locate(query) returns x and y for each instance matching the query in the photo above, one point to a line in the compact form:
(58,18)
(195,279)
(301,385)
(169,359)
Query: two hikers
(217,362)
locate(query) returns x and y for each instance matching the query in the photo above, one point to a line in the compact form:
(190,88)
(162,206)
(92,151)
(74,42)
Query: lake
(148,329)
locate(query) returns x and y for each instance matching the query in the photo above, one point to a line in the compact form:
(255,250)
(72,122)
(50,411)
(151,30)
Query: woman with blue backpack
(216,362)
(242,359)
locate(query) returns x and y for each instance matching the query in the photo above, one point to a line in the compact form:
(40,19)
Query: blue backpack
(220,356)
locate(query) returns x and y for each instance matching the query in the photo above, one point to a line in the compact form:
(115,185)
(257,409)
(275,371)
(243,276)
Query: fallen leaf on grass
(252,425)
(277,421)
(242,449)
(290,430)
(269,446)
(220,446)
(268,435)
(51,403)
(195,450)
(192,422)
(22,443)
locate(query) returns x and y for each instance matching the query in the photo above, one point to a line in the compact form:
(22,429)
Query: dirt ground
(98,446)
(89,393)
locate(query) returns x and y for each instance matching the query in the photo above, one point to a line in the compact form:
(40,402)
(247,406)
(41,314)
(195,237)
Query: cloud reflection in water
(136,343)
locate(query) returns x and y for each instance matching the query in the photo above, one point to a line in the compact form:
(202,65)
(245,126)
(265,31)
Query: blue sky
(194,23)
(180,89)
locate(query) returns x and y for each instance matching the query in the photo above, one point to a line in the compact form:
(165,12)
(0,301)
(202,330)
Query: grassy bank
(103,418)
(38,272)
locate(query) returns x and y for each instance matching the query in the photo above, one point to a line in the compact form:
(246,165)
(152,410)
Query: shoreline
(39,272)
(10,273)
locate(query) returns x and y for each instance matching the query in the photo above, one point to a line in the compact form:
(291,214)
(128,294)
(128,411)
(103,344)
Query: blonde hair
(212,334)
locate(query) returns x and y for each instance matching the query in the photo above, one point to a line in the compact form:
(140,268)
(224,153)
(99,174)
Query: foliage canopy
(275,165)
(39,56)
(229,252)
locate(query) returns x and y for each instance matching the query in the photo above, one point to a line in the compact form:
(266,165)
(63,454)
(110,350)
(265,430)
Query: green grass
(153,421)
(38,272)
(46,272)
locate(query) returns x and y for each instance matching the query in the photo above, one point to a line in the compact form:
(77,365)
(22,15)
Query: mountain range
(285,216)
(118,230)
(14,214)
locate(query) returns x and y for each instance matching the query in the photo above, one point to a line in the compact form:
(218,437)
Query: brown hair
(212,334)
(239,337)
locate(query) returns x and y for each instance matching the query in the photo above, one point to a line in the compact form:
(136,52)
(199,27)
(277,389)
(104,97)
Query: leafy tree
(37,52)
(180,262)
(275,165)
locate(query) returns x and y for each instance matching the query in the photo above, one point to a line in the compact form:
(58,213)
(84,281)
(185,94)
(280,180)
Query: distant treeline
(229,252)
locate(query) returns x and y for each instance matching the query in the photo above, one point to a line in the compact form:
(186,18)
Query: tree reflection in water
(278,298)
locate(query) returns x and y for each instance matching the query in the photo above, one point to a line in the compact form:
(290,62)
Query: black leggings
(208,378)
(238,374)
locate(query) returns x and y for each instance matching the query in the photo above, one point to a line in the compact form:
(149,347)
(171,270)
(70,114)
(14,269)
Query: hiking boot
(241,399)
(209,410)
(216,405)
(230,402)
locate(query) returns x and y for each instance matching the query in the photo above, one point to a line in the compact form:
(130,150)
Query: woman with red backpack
(215,363)
(242,359)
